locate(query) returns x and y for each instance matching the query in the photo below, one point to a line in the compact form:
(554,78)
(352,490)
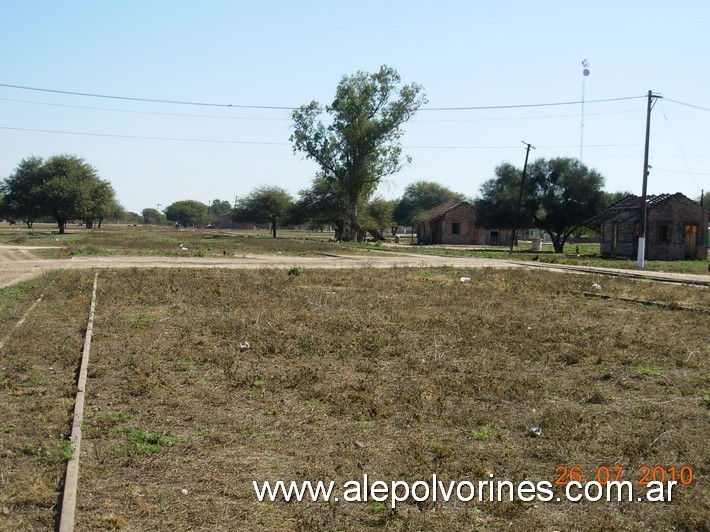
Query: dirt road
(19,263)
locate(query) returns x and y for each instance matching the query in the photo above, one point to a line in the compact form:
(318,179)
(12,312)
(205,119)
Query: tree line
(355,142)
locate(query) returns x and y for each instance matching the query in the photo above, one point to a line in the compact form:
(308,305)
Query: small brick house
(454,222)
(676,228)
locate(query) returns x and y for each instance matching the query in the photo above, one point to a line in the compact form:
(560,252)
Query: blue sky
(287,53)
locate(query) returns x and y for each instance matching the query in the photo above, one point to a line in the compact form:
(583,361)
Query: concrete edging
(71,482)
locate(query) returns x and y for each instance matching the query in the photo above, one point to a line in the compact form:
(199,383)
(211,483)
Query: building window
(664,232)
(455,228)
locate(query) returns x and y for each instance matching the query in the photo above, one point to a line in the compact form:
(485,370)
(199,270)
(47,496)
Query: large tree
(358,144)
(220,207)
(320,205)
(379,215)
(187,213)
(152,216)
(22,198)
(102,204)
(65,187)
(499,199)
(264,204)
(559,196)
(420,197)
(73,189)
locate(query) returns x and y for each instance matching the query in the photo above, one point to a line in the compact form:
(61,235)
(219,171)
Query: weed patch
(142,442)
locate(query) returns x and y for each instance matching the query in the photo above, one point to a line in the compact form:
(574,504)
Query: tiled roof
(439,211)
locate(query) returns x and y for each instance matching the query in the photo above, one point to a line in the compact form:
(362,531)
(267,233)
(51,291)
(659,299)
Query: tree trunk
(62,225)
(558,242)
(353,226)
(273,227)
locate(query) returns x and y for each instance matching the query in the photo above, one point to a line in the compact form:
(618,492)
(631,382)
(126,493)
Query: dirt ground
(20,263)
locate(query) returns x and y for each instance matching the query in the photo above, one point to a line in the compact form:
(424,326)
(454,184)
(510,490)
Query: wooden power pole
(514,236)
(642,225)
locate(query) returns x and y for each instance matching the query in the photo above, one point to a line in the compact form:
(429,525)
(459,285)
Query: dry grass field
(397,374)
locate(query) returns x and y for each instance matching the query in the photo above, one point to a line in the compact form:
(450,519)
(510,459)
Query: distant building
(454,222)
(676,228)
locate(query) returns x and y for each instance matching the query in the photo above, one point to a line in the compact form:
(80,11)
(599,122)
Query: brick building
(454,222)
(676,228)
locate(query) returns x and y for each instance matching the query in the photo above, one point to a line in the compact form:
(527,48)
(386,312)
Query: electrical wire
(190,115)
(680,147)
(512,147)
(290,108)
(111,135)
(512,118)
(142,112)
(527,105)
(218,141)
(687,104)
(151,100)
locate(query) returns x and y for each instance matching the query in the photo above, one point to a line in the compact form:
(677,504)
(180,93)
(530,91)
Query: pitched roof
(630,205)
(440,210)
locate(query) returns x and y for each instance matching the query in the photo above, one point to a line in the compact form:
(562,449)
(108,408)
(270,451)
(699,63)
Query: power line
(656,169)
(290,108)
(215,141)
(150,100)
(687,104)
(512,118)
(220,141)
(142,112)
(512,147)
(191,115)
(526,105)
(680,147)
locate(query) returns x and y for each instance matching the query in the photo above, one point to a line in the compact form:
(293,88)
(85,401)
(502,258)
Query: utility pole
(160,218)
(514,236)
(642,225)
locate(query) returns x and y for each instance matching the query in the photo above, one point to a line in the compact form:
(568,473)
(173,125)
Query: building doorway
(691,238)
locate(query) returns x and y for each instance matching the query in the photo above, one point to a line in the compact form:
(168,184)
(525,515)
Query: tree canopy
(609,198)
(359,146)
(499,199)
(65,187)
(264,204)
(320,206)
(420,197)
(22,197)
(380,215)
(219,207)
(559,196)
(187,213)
(152,216)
